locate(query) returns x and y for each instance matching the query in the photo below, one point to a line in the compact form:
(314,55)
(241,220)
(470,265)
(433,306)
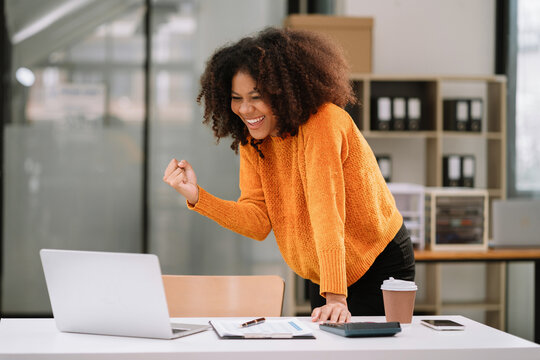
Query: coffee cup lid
(398,285)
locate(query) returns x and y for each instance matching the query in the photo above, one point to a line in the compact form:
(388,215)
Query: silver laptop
(516,222)
(109,294)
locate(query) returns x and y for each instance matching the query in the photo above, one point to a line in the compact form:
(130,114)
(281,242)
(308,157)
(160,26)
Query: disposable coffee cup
(398,297)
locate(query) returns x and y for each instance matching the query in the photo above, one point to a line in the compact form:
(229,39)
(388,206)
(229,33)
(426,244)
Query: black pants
(365,295)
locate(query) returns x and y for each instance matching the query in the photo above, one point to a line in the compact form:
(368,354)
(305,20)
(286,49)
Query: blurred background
(103,97)
(98,96)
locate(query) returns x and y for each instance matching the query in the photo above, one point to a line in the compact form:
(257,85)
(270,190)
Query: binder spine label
(414,112)
(382,114)
(398,114)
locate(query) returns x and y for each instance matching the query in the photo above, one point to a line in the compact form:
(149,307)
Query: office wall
(446,37)
(430,37)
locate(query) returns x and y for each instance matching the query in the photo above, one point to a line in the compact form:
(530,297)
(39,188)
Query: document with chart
(282,328)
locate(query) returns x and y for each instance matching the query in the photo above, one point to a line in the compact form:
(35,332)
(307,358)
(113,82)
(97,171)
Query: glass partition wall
(184,35)
(72,146)
(84,148)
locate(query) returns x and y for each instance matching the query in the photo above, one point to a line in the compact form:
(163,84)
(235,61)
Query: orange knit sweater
(322,194)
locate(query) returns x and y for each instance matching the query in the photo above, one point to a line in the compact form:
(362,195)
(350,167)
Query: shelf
(411,213)
(476,78)
(462,134)
(432,90)
(377,134)
(488,146)
(467,134)
(496,193)
(472,306)
(425,307)
(500,255)
(493,301)
(494,135)
(421,77)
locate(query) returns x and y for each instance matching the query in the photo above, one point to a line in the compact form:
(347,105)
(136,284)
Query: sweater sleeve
(248,215)
(325,146)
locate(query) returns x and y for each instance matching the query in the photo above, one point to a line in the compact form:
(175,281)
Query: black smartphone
(443,324)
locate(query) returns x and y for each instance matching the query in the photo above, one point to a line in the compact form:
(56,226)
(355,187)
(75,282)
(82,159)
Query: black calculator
(362,329)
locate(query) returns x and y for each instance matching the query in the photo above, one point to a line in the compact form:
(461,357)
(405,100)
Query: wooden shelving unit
(490,163)
(493,305)
(432,90)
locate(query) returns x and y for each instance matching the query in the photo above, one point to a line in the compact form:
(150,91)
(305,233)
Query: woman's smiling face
(248,104)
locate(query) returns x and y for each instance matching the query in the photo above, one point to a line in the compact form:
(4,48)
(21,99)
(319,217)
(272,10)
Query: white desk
(39,339)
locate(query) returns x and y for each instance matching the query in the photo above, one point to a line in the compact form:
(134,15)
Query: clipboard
(283,328)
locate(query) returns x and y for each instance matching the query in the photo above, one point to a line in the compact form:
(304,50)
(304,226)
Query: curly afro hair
(296,72)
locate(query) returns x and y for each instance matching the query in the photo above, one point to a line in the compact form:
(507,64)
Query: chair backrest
(201,296)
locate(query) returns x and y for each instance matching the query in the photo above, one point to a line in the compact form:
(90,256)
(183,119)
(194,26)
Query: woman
(306,172)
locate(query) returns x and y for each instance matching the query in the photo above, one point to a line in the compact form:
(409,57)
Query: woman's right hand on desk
(335,310)
(181,176)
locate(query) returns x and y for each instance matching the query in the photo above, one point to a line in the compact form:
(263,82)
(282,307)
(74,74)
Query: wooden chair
(201,296)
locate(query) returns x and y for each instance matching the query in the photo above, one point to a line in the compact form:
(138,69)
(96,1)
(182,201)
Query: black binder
(355,109)
(354,112)
(475,115)
(399,113)
(452,170)
(456,114)
(414,113)
(385,165)
(467,170)
(381,113)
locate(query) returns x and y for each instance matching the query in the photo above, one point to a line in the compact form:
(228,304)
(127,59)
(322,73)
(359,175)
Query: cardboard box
(354,34)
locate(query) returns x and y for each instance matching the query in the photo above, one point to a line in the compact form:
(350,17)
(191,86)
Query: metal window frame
(506,51)
(5,80)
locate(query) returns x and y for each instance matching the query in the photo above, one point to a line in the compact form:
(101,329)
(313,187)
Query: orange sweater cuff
(333,272)
(202,194)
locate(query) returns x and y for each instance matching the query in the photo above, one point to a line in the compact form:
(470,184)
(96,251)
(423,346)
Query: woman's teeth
(255,121)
